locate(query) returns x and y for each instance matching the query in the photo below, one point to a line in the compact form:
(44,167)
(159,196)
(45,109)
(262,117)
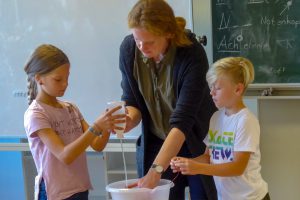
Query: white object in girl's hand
(114,104)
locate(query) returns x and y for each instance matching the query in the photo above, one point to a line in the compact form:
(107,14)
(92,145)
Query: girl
(232,153)
(57,133)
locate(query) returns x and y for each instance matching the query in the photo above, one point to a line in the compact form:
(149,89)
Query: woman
(163,80)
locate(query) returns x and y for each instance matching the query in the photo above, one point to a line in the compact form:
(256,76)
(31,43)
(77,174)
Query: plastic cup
(113,104)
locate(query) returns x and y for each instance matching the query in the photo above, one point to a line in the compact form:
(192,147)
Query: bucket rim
(166,184)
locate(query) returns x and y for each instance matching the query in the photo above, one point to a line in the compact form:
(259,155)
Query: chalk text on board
(295,23)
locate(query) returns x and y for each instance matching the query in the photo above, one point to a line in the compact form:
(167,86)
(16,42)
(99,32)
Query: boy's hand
(174,168)
(185,165)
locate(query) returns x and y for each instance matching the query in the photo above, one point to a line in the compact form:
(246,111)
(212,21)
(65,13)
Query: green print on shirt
(221,145)
(225,139)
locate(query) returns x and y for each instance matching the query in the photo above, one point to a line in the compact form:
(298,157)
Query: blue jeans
(78,196)
(194,182)
(42,193)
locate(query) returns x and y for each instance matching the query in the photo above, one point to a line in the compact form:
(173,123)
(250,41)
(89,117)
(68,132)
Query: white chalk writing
(280,22)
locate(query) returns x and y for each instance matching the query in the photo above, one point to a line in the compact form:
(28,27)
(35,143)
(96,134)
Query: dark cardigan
(194,105)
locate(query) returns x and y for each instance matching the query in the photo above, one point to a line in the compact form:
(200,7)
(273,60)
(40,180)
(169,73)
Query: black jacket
(194,105)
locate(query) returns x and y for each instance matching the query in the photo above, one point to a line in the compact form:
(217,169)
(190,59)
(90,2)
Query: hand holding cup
(120,125)
(108,120)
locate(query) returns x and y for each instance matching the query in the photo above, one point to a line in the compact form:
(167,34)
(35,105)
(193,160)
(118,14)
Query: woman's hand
(150,180)
(133,117)
(107,122)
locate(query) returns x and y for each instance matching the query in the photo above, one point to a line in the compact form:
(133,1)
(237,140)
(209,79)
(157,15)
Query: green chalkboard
(265,31)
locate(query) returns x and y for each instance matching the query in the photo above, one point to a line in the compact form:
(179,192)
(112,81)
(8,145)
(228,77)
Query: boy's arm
(234,168)
(204,158)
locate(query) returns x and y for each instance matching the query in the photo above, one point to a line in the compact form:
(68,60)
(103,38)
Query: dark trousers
(267,197)
(194,182)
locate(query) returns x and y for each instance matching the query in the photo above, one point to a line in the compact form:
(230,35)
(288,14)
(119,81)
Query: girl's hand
(107,122)
(185,165)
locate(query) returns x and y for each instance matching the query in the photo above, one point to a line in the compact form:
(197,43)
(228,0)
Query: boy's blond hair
(239,69)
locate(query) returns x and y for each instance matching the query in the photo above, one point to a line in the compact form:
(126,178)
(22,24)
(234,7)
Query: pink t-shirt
(61,180)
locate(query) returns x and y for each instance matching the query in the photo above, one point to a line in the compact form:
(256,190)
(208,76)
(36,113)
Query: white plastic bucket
(119,191)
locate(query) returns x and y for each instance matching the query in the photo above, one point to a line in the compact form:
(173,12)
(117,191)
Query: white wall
(203,24)
(90,33)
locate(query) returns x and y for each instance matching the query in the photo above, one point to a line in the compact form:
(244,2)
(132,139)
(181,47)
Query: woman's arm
(169,149)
